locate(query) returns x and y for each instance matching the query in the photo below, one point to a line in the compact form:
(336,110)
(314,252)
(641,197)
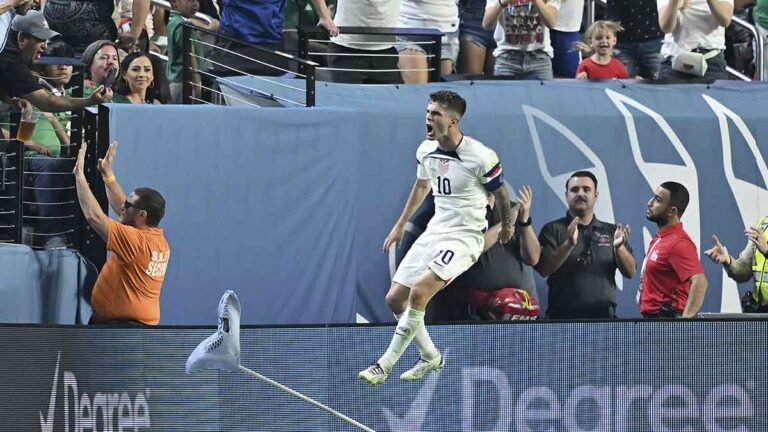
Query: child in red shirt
(600,65)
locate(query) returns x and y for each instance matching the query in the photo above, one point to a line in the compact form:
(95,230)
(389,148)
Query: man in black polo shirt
(21,46)
(580,255)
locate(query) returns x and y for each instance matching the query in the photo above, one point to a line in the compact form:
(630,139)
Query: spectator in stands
(522,36)
(261,24)
(20,47)
(137,80)
(476,44)
(639,45)
(297,13)
(673,283)
(99,58)
(564,35)
(128,287)
(751,264)
(440,14)
(182,11)
(760,14)
(500,266)
(580,255)
(47,175)
(82,22)
(360,52)
(600,65)
(9,9)
(696,29)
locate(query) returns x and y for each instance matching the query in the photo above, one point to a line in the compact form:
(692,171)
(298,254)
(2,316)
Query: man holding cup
(19,48)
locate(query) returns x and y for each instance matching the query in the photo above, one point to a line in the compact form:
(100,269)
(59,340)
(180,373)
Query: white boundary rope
(305,399)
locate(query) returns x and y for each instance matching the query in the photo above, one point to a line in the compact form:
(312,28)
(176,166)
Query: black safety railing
(268,59)
(17,190)
(431,37)
(96,136)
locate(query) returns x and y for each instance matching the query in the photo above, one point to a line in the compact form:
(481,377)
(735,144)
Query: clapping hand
(621,235)
(757,238)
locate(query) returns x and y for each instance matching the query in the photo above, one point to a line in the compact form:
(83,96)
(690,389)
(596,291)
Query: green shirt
(116,97)
(761,13)
(173,71)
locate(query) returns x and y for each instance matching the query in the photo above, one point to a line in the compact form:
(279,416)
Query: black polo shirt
(584,283)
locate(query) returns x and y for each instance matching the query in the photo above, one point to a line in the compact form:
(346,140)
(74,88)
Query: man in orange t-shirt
(128,287)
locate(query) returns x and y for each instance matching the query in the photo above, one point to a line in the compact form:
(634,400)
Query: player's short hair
(678,196)
(450,100)
(152,202)
(581,174)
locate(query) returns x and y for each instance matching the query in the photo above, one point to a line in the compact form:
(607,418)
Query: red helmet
(510,304)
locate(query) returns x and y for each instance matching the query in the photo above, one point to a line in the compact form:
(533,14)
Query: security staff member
(580,255)
(751,264)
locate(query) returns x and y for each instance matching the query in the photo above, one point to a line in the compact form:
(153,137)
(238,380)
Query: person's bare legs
(472,58)
(415,64)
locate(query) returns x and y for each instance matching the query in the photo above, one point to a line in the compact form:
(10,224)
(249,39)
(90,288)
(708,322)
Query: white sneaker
(220,350)
(422,368)
(374,375)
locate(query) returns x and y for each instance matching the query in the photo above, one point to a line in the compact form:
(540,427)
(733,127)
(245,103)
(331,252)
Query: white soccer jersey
(460,180)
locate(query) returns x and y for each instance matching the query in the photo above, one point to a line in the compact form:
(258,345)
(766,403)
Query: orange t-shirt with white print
(128,287)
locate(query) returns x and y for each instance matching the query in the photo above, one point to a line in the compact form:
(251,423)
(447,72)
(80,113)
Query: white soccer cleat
(220,350)
(422,368)
(373,375)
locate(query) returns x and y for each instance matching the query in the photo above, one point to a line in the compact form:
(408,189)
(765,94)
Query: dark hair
(152,202)
(581,174)
(678,196)
(59,48)
(90,53)
(121,85)
(450,100)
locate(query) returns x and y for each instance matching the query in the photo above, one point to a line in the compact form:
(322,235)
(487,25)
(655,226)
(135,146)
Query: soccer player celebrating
(460,171)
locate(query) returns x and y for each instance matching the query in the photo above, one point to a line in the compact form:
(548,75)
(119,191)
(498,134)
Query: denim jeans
(53,186)
(521,63)
(640,58)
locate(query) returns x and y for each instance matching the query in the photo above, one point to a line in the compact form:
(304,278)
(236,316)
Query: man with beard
(673,282)
(128,287)
(580,255)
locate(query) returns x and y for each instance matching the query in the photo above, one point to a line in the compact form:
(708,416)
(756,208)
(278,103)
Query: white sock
(408,326)
(422,340)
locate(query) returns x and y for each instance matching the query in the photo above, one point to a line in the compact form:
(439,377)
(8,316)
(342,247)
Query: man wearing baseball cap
(24,44)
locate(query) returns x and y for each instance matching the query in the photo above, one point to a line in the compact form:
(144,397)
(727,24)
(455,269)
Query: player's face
(439,121)
(581,195)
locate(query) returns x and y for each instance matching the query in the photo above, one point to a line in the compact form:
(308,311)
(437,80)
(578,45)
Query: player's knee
(395,301)
(419,295)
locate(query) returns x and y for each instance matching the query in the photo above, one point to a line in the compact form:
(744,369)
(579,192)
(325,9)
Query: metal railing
(758,46)
(432,36)
(306,68)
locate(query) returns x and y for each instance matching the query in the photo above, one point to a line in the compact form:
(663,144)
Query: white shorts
(448,255)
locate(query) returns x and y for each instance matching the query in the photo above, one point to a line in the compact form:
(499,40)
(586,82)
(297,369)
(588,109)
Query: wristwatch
(524,224)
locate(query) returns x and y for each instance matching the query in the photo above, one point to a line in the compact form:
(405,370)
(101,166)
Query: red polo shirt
(671,260)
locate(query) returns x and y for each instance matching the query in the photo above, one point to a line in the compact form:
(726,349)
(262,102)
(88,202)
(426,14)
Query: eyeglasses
(127,204)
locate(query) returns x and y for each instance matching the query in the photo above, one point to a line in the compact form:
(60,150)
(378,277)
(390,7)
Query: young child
(600,65)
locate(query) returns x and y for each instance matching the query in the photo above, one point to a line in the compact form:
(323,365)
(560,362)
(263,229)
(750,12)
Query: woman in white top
(440,14)
(694,26)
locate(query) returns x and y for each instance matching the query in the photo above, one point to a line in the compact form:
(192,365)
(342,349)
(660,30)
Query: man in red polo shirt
(673,282)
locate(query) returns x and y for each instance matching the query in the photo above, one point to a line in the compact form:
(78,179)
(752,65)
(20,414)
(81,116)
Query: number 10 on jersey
(443,185)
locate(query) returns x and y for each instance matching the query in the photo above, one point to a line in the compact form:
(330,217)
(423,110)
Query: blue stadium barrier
(290,206)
